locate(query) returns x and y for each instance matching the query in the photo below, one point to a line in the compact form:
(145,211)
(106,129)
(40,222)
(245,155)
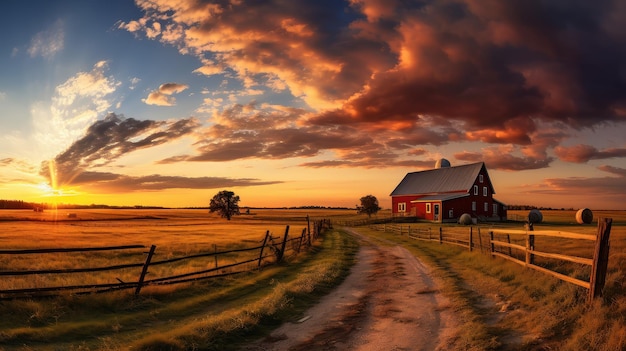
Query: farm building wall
(479,203)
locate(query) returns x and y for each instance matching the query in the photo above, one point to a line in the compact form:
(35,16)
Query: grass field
(213,315)
(501,303)
(219,315)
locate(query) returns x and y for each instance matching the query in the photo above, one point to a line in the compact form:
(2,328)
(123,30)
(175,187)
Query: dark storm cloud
(504,160)
(404,74)
(108,139)
(488,63)
(584,153)
(614,170)
(105,182)
(607,187)
(240,133)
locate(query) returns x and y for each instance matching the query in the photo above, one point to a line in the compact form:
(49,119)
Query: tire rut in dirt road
(388,302)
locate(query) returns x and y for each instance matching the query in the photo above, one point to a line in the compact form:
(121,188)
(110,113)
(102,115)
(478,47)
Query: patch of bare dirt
(388,302)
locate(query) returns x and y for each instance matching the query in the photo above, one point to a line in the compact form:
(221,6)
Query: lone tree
(225,203)
(369,205)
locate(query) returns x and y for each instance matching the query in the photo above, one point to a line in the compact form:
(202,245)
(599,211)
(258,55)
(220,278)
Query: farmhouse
(445,193)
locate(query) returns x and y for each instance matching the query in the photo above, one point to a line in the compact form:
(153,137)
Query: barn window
(486,207)
(480,178)
(495,209)
(402,207)
(475,189)
(484,191)
(473,205)
(428,208)
(450,213)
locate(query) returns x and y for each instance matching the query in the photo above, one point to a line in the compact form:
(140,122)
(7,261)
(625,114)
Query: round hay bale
(465,219)
(584,216)
(535,216)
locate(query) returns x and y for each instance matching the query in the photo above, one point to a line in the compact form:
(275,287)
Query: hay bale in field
(584,216)
(535,216)
(465,219)
(71,215)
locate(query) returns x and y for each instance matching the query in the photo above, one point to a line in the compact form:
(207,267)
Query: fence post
(530,246)
(440,235)
(492,246)
(215,249)
(600,258)
(282,248)
(267,234)
(508,239)
(308,225)
(470,239)
(144,270)
(301,239)
(480,241)
(409,231)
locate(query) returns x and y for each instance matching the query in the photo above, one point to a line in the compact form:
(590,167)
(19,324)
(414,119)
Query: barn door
(436,212)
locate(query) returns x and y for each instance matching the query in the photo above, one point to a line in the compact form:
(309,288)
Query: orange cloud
(162,97)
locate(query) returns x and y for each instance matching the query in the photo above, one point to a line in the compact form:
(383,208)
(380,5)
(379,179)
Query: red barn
(445,193)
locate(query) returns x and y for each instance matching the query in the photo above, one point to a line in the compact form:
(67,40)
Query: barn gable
(440,180)
(444,193)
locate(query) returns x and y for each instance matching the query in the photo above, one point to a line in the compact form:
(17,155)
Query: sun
(49,191)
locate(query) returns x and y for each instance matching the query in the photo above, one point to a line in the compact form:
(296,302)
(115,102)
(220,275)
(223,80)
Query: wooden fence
(271,251)
(501,244)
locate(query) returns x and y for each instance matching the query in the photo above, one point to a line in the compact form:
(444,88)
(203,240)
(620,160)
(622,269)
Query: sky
(298,103)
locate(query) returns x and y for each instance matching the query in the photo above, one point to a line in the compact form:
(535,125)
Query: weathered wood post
(530,247)
(215,250)
(144,270)
(409,231)
(471,245)
(440,235)
(508,239)
(282,247)
(600,258)
(301,239)
(492,246)
(308,225)
(267,234)
(480,241)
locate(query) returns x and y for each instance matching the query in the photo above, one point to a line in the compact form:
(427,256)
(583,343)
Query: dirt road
(388,302)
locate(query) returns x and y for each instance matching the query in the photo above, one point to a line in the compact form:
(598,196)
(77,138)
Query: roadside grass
(504,306)
(216,315)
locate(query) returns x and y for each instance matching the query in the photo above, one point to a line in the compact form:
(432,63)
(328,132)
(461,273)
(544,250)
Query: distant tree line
(15,204)
(531,207)
(23,205)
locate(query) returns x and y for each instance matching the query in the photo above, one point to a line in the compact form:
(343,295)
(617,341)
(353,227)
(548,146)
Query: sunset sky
(294,103)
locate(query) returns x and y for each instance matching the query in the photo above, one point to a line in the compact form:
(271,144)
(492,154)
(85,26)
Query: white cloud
(76,104)
(47,43)
(133,83)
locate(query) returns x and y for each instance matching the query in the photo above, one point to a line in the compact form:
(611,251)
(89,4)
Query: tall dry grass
(176,233)
(214,315)
(505,306)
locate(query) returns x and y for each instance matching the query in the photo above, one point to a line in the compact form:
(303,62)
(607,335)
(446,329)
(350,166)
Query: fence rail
(272,250)
(499,244)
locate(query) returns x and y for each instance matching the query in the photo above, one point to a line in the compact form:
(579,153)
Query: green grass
(216,315)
